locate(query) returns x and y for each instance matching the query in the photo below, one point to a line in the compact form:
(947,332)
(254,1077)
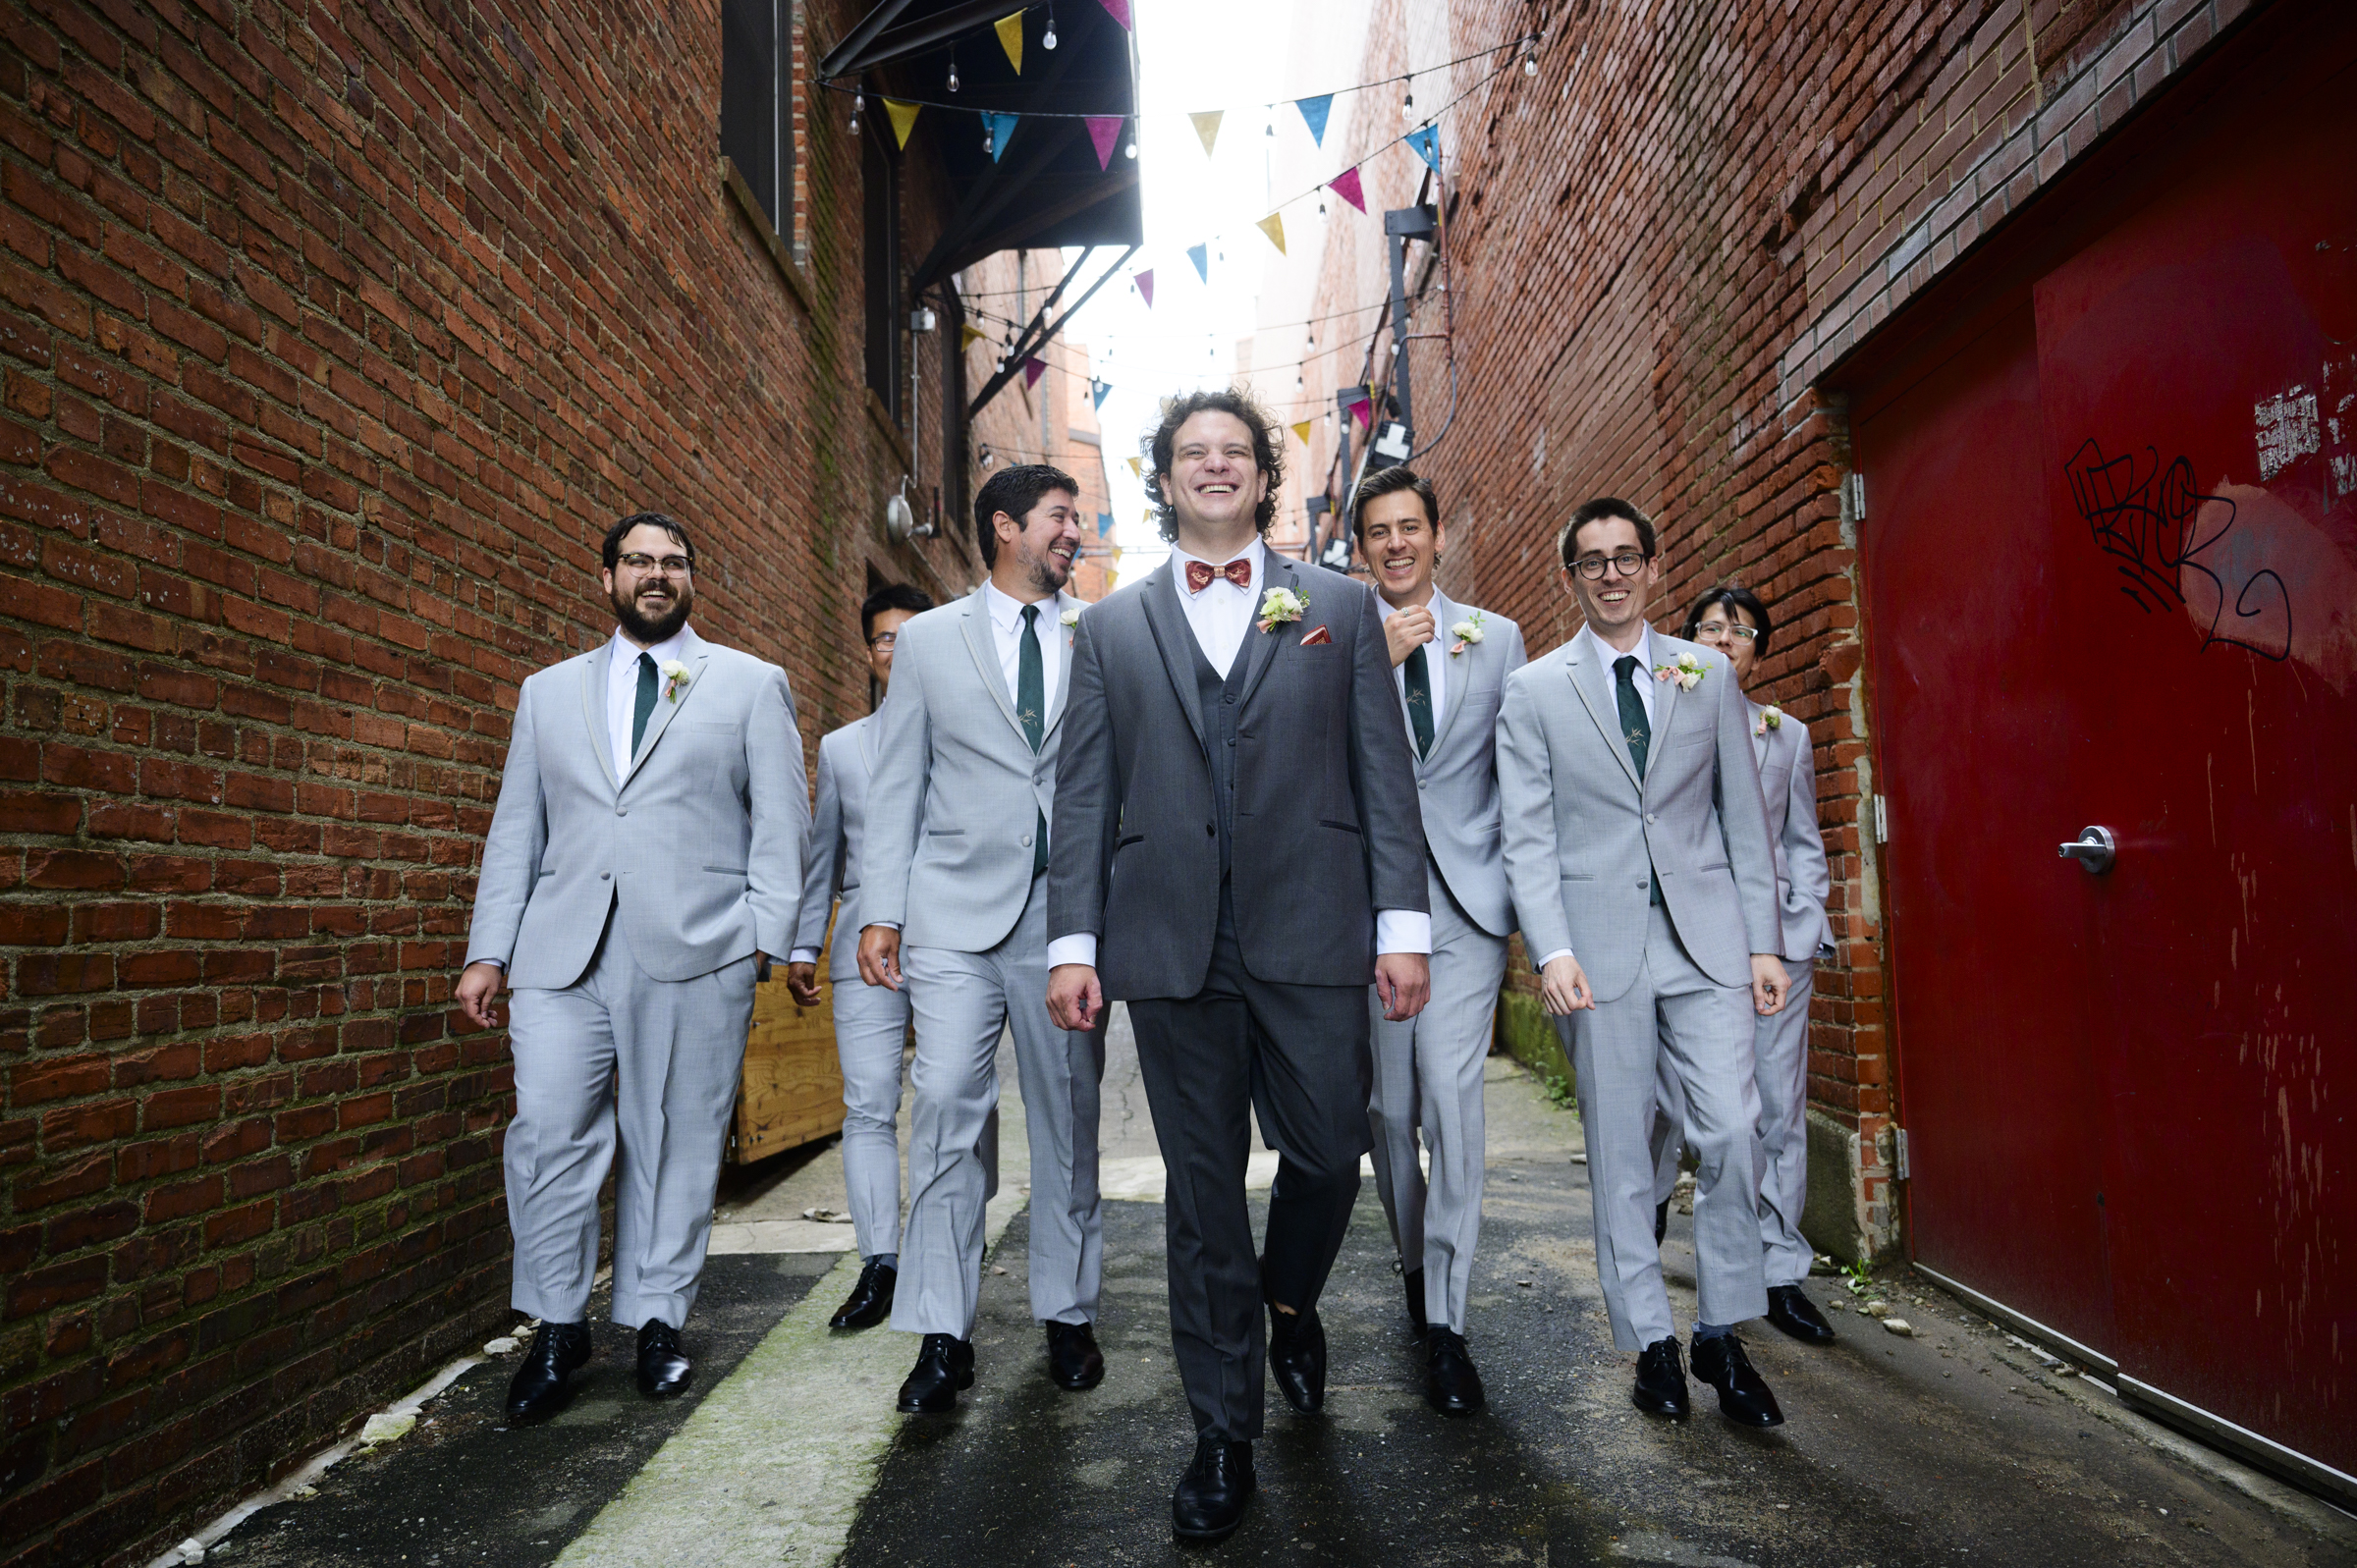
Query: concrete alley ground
(1951,1446)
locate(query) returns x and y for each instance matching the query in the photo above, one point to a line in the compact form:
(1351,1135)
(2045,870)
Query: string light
(1049,43)
(1531,64)
(858,102)
(1408,104)
(952,70)
(1130,151)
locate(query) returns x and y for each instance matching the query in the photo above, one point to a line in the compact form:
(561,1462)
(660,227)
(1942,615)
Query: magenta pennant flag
(1145,286)
(1346,186)
(1361,410)
(1033,368)
(1104,130)
(1118,10)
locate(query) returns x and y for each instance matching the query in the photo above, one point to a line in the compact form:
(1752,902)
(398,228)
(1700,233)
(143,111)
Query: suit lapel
(595,671)
(1453,670)
(1260,647)
(1762,742)
(866,744)
(1664,697)
(697,655)
(1063,665)
(973,619)
(1583,668)
(1176,643)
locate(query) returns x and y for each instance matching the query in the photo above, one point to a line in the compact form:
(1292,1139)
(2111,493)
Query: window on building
(756,101)
(880,239)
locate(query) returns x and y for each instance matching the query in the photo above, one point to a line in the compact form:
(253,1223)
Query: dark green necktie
(1419,699)
(645,707)
(1635,728)
(1031,707)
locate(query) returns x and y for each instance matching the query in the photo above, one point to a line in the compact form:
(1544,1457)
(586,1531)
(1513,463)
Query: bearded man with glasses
(645,855)
(1644,878)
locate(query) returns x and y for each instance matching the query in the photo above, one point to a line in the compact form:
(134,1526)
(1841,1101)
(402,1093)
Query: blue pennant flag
(1313,113)
(1427,142)
(1200,256)
(1000,127)
(1104,523)
(1098,389)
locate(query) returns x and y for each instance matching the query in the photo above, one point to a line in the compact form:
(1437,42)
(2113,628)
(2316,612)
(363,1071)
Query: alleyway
(1949,1445)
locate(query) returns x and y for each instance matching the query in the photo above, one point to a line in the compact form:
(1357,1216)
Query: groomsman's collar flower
(1071,615)
(676,676)
(1280,606)
(1688,671)
(1771,717)
(1466,632)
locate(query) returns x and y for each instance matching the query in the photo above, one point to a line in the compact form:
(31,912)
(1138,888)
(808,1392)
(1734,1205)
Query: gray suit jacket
(956,792)
(1584,837)
(1326,826)
(698,839)
(847,760)
(1788,789)
(1458,785)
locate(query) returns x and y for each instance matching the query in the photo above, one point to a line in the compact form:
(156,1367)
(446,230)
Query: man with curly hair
(1238,854)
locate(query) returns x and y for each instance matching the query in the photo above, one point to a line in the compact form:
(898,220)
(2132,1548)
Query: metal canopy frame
(1037,332)
(867,46)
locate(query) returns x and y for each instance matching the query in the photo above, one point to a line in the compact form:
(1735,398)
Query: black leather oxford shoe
(538,1391)
(1073,1359)
(1210,1501)
(663,1373)
(1743,1396)
(1413,1279)
(943,1367)
(1450,1385)
(1297,1358)
(1661,1380)
(870,1300)
(1796,1315)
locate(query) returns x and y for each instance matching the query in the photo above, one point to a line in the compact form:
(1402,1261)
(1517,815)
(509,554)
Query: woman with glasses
(1733,621)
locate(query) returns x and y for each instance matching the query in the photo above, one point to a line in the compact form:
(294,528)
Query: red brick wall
(331,339)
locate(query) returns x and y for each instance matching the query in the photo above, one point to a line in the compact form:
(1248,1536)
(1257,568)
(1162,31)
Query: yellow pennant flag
(1274,226)
(968,335)
(1136,469)
(904,119)
(1207,126)
(1011,40)
(1302,430)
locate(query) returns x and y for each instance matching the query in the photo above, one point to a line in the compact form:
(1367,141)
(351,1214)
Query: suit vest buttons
(1211,831)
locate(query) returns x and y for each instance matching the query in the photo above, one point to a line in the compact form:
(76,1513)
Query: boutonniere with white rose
(676,676)
(1071,615)
(1280,606)
(1771,717)
(1686,670)
(1466,632)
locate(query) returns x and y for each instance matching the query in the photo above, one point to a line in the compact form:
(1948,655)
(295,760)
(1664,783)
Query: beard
(1049,572)
(647,629)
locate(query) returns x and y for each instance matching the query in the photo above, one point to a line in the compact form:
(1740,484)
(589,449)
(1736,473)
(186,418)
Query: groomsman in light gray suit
(1645,880)
(871,1022)
(645,856)
(1733,621)
(1450,662)
(953,892)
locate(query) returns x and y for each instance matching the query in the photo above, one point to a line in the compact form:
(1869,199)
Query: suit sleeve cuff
(807,956)
(1402,931)
(1080,949)
(1560,952)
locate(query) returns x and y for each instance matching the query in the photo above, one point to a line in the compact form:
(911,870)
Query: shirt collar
(626,652)
(1439,608)
(1610,655)
(1007,611)
(1252,552)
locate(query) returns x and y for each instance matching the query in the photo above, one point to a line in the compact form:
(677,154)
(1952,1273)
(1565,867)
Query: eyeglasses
(648,565)
(884,639)
(1626,564)
(1720,631)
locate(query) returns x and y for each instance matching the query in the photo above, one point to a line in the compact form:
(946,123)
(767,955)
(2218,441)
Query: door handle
(2094,850)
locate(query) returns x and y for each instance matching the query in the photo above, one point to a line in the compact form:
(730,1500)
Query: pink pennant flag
(1033,368)
(1362,410)
(1346,186)
(1145,286)
(1118,10)
(1104,130)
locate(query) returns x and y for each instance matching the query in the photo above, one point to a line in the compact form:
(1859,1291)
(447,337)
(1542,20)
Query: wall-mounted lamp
(900,518)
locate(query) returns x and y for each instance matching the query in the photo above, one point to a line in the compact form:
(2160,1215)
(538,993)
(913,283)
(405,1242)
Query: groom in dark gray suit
(1238,856)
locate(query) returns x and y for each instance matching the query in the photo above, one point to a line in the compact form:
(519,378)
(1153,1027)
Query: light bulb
(1049,43)
(952,72)
(1321,209)
(1130,151)
(1530,64)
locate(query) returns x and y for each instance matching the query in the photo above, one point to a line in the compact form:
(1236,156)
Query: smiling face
(1035,556)
(1715,629)
(1215,484)
(1614,602)
(652,604)
(883,639)
(1401,546)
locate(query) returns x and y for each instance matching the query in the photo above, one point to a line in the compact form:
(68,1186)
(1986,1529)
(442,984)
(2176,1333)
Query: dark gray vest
(1220,700)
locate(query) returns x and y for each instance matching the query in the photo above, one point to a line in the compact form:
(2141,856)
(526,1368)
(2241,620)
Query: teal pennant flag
(1427,142)
(1000,127)
(1200,256)
(1313,114)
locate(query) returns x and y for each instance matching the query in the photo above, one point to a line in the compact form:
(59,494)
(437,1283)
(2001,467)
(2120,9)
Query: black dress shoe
(1661,1221)
(943,1367)
(1743,1396)
(1450,1385)
(1661,1381)
(1073,1359)
(870,1300)
(663,1373)
(1297,1358)
(1210,1501)
(538,1391)
(1796,1315)
(1413,1278)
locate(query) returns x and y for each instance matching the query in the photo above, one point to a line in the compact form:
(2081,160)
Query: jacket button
(1420,784)
(621,811)
(1210,832)
(605,876)
(1650,819)
(1026,841)
(1640,884)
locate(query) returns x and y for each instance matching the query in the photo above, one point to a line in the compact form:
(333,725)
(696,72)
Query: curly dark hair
(1268,453)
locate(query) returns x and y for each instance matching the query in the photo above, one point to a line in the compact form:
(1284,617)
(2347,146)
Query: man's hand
(801,984)
(880,956)
(476,987)
(1563,987)
(1769,984)
(1403,980)
(1075,1000)
(1407,631)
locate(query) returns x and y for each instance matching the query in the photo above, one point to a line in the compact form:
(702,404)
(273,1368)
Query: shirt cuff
(1402,931)
(808,955)
(500,964)
(1560,952)
(1082,949)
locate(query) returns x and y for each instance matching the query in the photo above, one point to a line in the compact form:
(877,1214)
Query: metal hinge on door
(1882,821)
(1853,494)
(1898,1141)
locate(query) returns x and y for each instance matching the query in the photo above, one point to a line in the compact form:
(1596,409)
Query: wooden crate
(793,1086)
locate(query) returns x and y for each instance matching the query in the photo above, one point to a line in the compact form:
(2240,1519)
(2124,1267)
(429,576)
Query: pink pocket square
(1317,635)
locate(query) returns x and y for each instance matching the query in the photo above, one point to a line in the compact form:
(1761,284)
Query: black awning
(1045,188)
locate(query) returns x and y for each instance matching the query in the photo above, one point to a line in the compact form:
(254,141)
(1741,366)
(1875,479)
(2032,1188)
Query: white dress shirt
(1434,664)
(1006,633)
(622,689)
(1220,617)
(1642,677)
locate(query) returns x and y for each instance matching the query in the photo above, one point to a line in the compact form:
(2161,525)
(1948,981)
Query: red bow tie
(1238,572)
